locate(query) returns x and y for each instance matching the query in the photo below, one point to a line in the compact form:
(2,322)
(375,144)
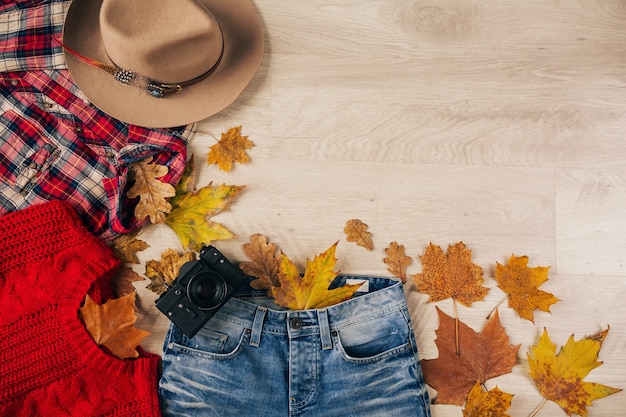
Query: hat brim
(243,51)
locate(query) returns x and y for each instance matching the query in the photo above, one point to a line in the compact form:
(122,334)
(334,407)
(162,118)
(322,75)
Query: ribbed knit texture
(49,365)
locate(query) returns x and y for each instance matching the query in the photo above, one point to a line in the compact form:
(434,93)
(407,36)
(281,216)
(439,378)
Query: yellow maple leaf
(356,231)
(152,193)
(230,149)
(492,403)
(112,325)
(311,290)
(559,377)
(450,275)
(397,261)
(521,283)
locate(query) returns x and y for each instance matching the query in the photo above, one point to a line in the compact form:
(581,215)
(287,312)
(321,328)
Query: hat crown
(170,41)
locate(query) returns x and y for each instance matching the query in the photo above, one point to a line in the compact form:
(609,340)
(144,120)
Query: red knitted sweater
(49,365)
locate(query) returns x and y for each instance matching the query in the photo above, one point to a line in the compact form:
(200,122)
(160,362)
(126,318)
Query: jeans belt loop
(322,317)
(257,326)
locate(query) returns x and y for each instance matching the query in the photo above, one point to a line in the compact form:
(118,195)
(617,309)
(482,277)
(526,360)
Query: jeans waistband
(382,297)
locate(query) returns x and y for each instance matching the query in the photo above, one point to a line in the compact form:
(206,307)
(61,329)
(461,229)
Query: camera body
(201,288)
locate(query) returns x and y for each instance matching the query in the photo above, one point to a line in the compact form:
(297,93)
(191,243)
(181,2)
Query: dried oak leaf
(492,403)
(190,217)
(152,193)
(126,247)
(356,231)
(450,275)
(311,290)
(521,283)
(162,273)
(483,356)
(559,377)
(230,149)
(264,264)
(112,325)
(397,261)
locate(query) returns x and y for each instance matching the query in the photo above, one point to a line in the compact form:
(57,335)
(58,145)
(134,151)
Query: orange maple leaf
(397,261)
(230,149)
(492,403)
(112,325)
(559,377)
(450,275)
(311,290)
(264,264)
(521,283)
(485,355)
(356,231)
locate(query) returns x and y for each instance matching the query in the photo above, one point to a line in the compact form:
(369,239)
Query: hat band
(131,78)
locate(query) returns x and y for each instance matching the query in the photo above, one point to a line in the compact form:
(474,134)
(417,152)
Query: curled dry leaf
(492,403)
(397,261)
(450,275)
(521,283)
(264,264)
(230,149)
(356,231)
(559,377)
(152,193)
(162,273)
(482,356)
(112,325)
(126,247)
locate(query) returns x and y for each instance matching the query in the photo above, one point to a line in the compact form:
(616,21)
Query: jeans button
(295,323)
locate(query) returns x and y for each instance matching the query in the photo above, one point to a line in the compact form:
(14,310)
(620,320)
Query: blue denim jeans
(354,359)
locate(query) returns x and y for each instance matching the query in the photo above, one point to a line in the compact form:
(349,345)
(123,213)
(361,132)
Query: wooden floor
(498,123)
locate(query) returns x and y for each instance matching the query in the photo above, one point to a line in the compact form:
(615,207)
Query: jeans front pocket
(375,339)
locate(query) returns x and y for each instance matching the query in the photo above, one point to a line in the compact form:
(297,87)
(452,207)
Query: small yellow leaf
(264,264)
(112,325)
(152,193)
(559,377)
(230,149)
(397,261)
(493,403)
(356,231)
(311,290)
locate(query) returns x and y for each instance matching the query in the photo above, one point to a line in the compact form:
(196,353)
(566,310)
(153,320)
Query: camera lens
(207,290)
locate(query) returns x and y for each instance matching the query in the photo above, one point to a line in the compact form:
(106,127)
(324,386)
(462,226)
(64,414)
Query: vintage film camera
(200,289)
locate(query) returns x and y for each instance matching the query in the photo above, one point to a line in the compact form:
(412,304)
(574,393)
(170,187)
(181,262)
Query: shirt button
(78,129)
(295,323)
(14,82)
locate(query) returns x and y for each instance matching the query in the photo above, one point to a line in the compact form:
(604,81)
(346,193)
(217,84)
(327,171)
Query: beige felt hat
(162,63)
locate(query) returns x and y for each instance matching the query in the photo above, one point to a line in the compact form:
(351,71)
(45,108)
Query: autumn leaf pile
(467,359)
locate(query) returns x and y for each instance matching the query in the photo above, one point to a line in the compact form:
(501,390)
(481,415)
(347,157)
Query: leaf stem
(536,410)
(456,328)
(496,307)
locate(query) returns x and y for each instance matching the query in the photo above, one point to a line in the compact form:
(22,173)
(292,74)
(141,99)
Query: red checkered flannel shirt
(54,144)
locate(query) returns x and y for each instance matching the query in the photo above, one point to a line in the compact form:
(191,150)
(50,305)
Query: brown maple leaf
(152,193)
(397,261)
(485,355)
(356,231)
(112,325)
(122,281)
(450,275)
(521,283)
(230,149)
(162,273)
(264,264)
(559,377)
(492,403)
(126,247)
